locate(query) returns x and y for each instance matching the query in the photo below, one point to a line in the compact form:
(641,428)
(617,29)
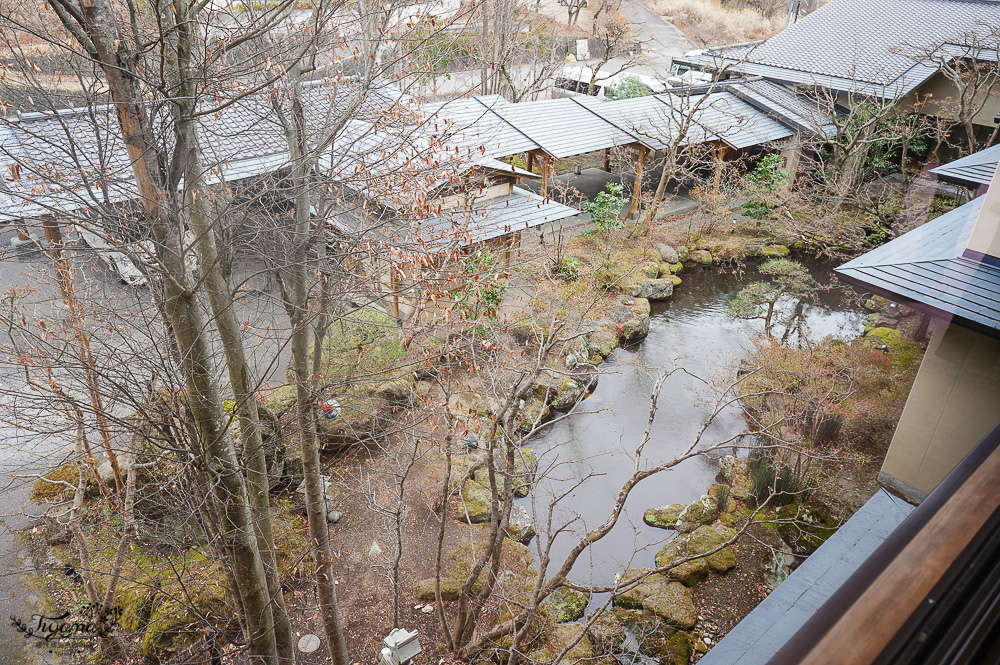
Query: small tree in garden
(484,287)
(627,87)
(606,206)
(763,181)
(760,300)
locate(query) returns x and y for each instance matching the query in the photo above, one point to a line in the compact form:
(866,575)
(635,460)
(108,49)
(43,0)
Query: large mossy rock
(664,517)
(557,638)
(606,632)
(450,589)
(602,342)
(633,597)
(706,538)
(520,526)
(654,638)
(703,511)
(667,253)
(804,528)
(737,473)
(362,419)
(565,605)
(654,289)
(689,572)
(774,251)
(475,501)
(701,257)
(674,603)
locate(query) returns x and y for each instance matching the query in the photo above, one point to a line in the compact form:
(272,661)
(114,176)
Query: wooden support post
(531,162)
(546,169)
(395,292)
(607,160)
(637,188)
(717,181)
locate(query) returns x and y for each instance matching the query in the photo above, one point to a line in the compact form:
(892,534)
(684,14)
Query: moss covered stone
(903,353)
(602,342)
(664,517)
(557,638)
(633,597)
(653,289)
(701,257)
(279,399)
(674,604)
(689,572)
(703,511)
(774,251)
(676,280)
(705,538)
(475,502)
(565,604)
(362,418)
(804,528)
(450,589)
(606,631)
(59,484)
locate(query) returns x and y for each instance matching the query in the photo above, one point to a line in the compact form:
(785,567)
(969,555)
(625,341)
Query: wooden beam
(546,169)
(531,162)
(640,163)
(607,160)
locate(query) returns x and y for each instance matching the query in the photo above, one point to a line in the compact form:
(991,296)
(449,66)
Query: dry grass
(711,24)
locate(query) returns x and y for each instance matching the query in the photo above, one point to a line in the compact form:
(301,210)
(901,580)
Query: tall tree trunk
(240,538)
(220,297)
(305,392)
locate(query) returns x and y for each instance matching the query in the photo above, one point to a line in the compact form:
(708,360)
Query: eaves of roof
(929,270)
(972,170)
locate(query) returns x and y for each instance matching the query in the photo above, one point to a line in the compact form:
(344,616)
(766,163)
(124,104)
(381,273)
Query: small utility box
(401,647)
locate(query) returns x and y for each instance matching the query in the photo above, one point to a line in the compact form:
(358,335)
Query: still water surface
(693,331)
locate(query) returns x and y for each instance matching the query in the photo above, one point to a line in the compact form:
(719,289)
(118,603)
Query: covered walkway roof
(392,151)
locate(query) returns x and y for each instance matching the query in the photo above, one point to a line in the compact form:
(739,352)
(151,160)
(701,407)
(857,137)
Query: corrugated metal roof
(759,636)
(926,268)
(972,170)
(487,218)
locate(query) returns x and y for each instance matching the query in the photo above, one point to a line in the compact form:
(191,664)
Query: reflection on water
(691,331)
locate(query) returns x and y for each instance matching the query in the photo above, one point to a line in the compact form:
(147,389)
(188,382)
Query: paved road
(661,40)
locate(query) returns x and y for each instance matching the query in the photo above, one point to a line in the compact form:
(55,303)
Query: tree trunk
(305,396)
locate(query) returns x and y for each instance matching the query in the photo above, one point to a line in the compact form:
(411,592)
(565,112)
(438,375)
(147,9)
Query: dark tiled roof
(868,46)
(926,268)
(973,170)
(765,630)
(794,109)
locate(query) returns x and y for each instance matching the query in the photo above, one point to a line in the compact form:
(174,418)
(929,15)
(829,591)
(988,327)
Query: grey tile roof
(485,219)
(389,151)
(564,127)
(75,158)
(866,46)
(759,636)
(795,109)
(926,268)
(972,170)
(656,119)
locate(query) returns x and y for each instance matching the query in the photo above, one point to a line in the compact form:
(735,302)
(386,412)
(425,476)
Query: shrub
(765,178)
(606,206)
(627,87)
(769,476)
(569,268)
